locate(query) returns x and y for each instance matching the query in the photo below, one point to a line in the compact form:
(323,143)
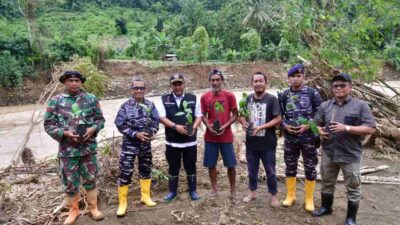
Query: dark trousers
(292,150)
(253,165)
(127,159)
(174,157)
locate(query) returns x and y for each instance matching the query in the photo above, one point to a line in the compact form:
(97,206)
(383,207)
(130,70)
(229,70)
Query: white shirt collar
(178,97)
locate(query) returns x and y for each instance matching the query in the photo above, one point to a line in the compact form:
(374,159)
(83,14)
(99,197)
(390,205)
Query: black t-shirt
(263,111)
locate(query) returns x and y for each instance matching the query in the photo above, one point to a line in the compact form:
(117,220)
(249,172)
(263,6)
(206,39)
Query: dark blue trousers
(253,165)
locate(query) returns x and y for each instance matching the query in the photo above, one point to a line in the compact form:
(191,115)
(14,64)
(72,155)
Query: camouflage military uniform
(299,104)
(133,118)
(65,112)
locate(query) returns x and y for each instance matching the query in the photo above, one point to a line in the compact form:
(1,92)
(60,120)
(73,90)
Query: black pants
(174,157)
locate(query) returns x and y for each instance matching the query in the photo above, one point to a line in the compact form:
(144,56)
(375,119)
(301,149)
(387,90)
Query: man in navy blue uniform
(299,102)
(138,121)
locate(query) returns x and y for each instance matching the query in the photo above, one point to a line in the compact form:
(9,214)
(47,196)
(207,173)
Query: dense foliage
(354,35)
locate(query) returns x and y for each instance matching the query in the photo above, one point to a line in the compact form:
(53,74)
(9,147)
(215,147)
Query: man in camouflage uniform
(138,121)
(67,114)
(299,104)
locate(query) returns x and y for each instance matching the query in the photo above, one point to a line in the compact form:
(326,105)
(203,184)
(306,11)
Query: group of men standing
(74,118)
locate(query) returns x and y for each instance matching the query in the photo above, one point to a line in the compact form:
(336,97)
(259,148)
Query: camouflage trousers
(127,159)
(292,150)
(73,168)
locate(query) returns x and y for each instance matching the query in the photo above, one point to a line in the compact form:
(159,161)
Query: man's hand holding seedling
(72,137)
(181,129)
(142,136)
(90,132)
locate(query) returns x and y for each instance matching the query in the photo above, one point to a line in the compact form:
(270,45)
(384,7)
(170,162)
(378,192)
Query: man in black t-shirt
(265,114)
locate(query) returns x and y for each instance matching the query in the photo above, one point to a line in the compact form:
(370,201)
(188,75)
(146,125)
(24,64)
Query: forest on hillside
(353,35)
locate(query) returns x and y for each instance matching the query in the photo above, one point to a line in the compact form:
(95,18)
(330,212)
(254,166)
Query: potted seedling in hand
(245,112)
(147,124)
(219,108)
(187,111)
(310,123)
(80,128)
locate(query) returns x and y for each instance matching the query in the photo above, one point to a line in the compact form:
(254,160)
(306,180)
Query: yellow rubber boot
(290,191)
(145,189)
(92,201)
(73,213)
(123,200)
(309,195)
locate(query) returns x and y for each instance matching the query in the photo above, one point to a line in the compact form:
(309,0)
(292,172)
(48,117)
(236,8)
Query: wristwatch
(347,128)
(174,126)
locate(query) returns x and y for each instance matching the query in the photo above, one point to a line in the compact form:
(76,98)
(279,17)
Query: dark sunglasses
(138,88)
(341,86)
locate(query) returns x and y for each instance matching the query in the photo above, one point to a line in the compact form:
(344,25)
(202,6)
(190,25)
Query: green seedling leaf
(189,118)
(75,109)
(188,110)
(145,107)
(313,127)
(295,98)
(303,121)
(185,104)
(219,107)
(179,113)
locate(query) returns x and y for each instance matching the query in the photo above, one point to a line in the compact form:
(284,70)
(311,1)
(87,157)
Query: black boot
(352,208)
(326,205)
(172,187)
(192,187)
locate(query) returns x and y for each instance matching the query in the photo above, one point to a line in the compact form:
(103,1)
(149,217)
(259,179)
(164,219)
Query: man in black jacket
(181,115)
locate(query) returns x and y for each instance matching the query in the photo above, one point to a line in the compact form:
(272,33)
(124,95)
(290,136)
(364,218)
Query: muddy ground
(379,204)
(35,197)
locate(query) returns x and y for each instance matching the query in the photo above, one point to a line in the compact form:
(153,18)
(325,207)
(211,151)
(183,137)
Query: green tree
(163,44)
(10,71)
(192,15)
(250,44)
(260,13)
(160,24)
(201,40)
(215,48)
(121,26)
(186,49)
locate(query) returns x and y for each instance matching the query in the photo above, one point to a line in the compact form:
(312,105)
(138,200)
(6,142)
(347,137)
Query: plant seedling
(245,112)
(312,124)
(147,128)
(217,123)
(187,111)
(80,128)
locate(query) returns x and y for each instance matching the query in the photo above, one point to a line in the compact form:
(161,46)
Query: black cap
(72,73)
(342,76)
(178,77)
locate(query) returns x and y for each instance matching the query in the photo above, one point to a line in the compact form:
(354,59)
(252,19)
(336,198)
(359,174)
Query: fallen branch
(178,214)
(364,179)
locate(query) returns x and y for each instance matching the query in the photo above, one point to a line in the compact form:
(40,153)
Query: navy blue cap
(298,68)
(72,73)
(342,76)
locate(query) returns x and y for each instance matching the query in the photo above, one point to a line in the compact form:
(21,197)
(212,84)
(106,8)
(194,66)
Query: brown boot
(73,209)
(92,201)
